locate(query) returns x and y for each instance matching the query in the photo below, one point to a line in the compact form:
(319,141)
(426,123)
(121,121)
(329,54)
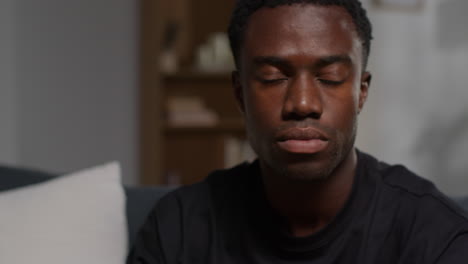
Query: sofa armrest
(11,177)
(140,200)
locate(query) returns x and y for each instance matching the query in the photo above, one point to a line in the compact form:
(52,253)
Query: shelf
(175,150)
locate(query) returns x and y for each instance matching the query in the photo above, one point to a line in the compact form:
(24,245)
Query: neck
(308,206)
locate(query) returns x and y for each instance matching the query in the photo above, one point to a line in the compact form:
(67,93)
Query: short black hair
(245,8)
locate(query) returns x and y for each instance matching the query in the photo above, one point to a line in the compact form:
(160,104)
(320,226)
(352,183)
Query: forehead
(301,29)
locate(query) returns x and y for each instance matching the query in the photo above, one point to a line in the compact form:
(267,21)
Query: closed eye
(330,82)
(272,81)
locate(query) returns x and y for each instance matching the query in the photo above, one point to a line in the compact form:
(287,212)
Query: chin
(313,168)
(310,171)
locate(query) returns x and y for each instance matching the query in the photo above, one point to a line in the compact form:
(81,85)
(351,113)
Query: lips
(302,140)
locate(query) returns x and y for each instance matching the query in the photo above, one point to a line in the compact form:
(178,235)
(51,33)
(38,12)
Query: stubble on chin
(307,171)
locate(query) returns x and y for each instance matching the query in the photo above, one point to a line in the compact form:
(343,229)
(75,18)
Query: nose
(303,99)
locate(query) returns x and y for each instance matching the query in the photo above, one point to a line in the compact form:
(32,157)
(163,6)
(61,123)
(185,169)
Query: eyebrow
(325,61)
(322,62)
(272,60)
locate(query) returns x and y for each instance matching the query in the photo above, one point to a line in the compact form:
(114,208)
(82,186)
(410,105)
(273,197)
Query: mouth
(302,140)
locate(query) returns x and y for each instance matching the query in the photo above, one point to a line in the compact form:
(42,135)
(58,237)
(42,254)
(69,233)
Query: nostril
(315,115)
(301,116)
(299,108)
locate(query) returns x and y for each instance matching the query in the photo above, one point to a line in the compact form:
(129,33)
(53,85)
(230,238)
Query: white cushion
(77,218)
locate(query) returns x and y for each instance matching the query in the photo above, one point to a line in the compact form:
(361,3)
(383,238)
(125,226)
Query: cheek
(263,108)
(342,111)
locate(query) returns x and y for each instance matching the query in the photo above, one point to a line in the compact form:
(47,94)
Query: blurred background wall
(68,87)
(68,96)
(8,114)
(417,112)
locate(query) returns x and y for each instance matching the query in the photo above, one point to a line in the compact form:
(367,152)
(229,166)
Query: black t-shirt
(391,217)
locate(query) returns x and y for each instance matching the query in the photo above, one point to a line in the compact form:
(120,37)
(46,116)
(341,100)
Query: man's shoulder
(401,186)
(415,211)
(398,177)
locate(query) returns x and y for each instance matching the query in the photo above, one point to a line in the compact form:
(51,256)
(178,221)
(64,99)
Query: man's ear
(237,86)
(364,89)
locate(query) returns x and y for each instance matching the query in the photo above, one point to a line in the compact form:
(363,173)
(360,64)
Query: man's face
(300,87)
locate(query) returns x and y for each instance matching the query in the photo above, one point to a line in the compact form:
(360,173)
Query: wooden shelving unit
(183,154)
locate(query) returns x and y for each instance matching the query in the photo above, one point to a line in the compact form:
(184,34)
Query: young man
(311,197)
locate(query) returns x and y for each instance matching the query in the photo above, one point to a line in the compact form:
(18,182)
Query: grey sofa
(140,200)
